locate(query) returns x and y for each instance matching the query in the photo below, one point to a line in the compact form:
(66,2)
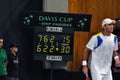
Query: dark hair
(13,45)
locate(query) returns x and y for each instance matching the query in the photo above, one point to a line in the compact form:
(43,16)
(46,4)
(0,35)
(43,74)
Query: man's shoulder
(98,34)
(113,34)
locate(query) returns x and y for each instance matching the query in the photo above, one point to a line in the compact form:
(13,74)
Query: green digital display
(47,43)
(53,43)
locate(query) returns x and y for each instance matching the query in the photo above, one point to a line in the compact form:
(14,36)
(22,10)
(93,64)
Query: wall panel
(99,9)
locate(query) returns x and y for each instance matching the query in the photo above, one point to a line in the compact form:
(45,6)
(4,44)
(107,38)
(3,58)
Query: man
(102,47)
(3,62)
(13,63)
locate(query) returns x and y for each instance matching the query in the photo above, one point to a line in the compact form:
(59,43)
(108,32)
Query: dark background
(12,31)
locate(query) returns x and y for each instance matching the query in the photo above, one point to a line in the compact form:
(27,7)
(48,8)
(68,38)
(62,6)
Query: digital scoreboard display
(53,43)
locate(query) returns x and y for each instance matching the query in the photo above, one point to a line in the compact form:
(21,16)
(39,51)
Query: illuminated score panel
(53,45)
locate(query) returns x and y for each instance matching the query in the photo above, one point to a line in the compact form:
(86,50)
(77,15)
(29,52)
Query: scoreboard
(53,43)
(54,33)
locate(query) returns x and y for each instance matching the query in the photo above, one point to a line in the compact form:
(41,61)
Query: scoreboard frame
(60,38)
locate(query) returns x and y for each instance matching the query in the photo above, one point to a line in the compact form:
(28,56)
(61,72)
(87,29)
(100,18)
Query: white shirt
(102,56)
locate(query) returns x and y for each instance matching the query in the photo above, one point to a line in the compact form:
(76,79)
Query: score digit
(65,49)
(66,39)
(52,39)
(51,49)
(62,49)
(39,48)
(40,37)
(45,38)
(45,48)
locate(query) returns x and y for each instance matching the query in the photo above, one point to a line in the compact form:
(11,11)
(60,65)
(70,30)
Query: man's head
(13,47)
(107,24)
(107,21)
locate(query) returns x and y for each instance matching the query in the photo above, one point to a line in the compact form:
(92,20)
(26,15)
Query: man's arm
(85,57)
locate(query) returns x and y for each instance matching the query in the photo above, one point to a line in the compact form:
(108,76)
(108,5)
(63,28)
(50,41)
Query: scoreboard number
(53,43)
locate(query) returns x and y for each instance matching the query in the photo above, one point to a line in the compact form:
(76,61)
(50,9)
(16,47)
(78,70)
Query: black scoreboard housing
(53,43)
